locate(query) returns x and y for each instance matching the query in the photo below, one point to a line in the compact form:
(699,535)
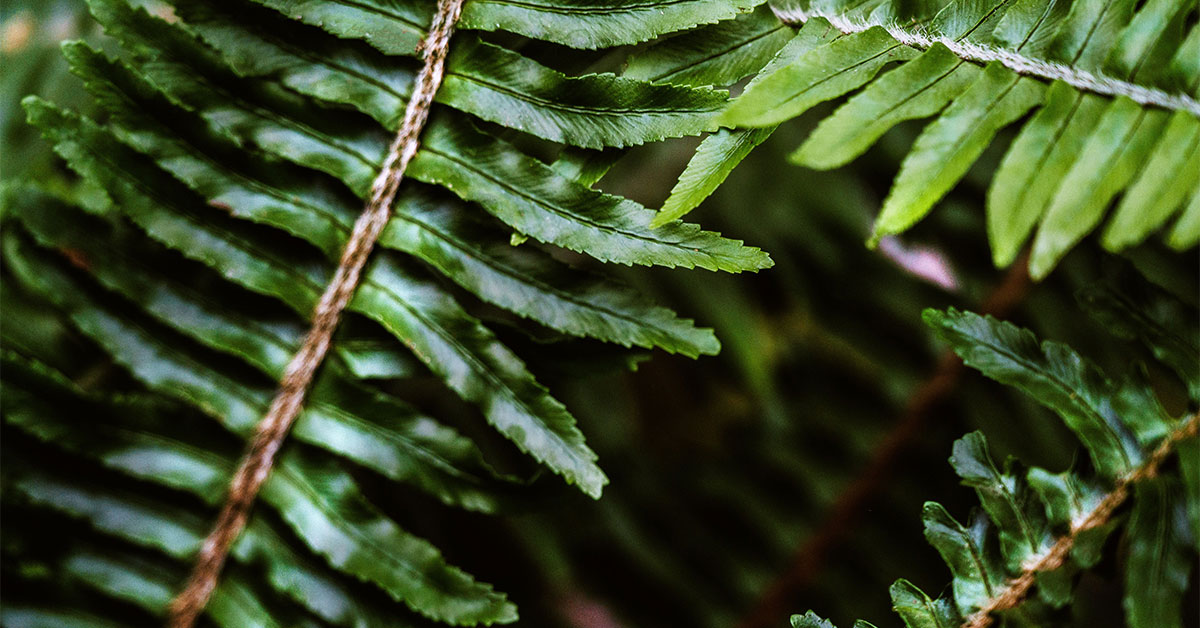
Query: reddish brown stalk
(1018,587)
(810,558)
(273,429)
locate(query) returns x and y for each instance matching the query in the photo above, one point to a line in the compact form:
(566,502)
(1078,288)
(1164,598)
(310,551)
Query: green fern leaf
(237,143)
(948,146)
(1038,529)
(1160,558)
(493,83)
(1052,374)
(918,611)
(977,573)
(597,24)
(395,28)
(1161,323)
(1033,168)
(437,458)
(1150,199)
(1112,87)
(716,157)
(152,524)
(517,189)
(825,72)
(722,151)
(721,54)
(1019,521)
(321,502)
(430,227)
(1186,232)
(1117,148)
(29,616)
(422,316)
(914,90)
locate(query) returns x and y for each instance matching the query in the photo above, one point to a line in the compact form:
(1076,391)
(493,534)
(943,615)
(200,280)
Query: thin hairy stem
(1012,59)
(1018,587)
(273,429)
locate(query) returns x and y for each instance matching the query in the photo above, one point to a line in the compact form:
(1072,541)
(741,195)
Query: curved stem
(272,430)
(1019,587)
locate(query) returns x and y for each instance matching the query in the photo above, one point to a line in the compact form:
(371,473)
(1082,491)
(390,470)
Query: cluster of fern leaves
(155,295)
(237,142)
(1113,88)
(1045,527)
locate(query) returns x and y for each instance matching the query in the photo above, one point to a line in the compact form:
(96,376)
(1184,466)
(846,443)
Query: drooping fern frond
(1107,92)
(163,443)
(236,145)
(1017,557)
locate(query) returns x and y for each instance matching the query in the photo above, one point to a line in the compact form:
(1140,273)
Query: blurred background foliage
(788,472)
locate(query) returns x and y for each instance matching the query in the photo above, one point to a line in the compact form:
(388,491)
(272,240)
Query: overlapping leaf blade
(237,144)
(720,54)
(321,502)
(1160,556)
(516,188)
(371,428)
(430,226)
(597,24)
(1052,374)
(420,314)
(1039,529)
(494,83)
(719,153)
(1117,119)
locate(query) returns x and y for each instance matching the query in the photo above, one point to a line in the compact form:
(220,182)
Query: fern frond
(1036,529)
(482,79)
(1111,89)
(234,145)
(319,501)
(371,427)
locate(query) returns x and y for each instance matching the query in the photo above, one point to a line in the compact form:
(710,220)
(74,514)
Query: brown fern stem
(271,431)
(1018,587)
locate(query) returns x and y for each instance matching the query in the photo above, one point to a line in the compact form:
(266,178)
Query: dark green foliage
(1108,96)
(234,147)
(160,274)
(1026,514)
